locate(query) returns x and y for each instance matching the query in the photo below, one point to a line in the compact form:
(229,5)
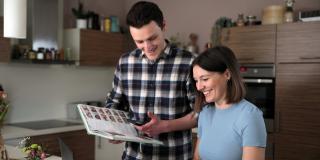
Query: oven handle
(258,81)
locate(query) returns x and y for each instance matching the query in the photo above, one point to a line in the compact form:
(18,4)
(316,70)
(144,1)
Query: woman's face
(213,85)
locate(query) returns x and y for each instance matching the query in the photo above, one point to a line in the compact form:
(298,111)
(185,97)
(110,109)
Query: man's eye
(139,42)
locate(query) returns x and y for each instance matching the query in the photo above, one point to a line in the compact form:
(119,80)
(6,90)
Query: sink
(44,124)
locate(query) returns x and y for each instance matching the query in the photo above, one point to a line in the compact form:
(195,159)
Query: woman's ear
(227,74)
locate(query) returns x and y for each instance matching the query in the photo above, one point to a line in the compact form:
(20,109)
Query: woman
(229,127)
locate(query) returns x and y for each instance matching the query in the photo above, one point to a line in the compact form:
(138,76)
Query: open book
(111,124)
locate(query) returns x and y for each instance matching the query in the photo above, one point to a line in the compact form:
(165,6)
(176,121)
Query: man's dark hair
(143,13)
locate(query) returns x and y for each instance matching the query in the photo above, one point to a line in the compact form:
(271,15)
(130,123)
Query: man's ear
(164,26)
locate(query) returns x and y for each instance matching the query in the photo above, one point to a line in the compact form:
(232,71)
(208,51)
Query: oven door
(261,92)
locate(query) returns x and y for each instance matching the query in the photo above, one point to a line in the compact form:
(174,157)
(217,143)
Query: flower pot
(82,23)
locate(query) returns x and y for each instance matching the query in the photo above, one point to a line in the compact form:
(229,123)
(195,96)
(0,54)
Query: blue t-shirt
(223,132)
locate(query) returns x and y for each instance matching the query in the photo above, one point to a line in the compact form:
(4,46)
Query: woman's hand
(154,127)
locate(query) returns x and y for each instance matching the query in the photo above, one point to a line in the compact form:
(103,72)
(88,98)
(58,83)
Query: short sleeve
(254,132)
(200,119)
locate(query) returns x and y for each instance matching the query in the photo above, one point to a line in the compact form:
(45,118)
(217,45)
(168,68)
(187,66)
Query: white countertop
(11,132)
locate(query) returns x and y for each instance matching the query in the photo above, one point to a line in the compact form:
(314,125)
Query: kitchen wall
(186,16)
(42,91)
(102,7)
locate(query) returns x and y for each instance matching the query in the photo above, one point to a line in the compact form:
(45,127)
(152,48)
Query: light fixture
(15,18)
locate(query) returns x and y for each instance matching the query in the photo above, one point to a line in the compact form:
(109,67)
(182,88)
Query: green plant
(222,22)
(79,13)
(4,104)
(33,151)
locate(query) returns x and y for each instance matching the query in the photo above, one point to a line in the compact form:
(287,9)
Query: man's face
(150,39)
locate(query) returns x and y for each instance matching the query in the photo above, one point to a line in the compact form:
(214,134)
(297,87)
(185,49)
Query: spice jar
(240,20)
(251,20)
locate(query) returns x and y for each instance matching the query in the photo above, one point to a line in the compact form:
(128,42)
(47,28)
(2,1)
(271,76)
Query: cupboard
(95,48)
(297,91)
(4,45)
(294,49)
(252,44)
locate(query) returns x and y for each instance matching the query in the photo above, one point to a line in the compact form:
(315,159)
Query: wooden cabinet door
(252,44)
(289,147)
(100,49)
(298,42)
(298,111)
(4,45)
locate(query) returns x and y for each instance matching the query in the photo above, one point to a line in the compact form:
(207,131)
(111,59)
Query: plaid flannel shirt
(162,87)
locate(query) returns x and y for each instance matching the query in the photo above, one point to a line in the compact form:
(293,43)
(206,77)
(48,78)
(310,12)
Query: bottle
(107,24)
(240,20)
(40,54)
(32,54)
(288,15)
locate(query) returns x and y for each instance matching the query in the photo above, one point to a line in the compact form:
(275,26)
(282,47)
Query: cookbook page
(108,120)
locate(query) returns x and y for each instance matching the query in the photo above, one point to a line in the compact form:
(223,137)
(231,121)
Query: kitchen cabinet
(252,44)
(298,42)
(105,150)
(95,48)
(297,134)
(4,45)
(79,142)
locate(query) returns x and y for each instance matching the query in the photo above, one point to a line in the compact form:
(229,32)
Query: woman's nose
(199,86)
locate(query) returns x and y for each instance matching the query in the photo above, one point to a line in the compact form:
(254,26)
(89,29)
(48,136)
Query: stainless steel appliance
(260,83)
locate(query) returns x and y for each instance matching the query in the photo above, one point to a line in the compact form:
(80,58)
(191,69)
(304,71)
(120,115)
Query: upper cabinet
(4,45)
(253,44)
(95,48)
(298,42)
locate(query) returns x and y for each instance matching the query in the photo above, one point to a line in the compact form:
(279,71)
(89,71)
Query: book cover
(111,124)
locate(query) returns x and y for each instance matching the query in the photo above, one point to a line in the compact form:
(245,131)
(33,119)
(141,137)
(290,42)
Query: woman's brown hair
(219,59)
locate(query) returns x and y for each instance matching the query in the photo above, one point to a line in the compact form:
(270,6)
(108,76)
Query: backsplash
(39,92)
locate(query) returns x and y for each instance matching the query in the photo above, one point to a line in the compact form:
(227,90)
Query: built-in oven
(259,80)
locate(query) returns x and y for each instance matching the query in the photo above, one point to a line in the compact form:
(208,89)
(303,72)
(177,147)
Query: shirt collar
(165,53)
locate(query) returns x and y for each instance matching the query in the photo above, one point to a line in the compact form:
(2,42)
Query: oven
(259,80)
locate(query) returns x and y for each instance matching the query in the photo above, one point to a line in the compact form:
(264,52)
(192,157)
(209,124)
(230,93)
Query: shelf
(49,62)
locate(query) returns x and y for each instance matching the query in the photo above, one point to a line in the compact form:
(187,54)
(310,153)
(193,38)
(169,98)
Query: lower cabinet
(298,111)
(79,142)
(105,150)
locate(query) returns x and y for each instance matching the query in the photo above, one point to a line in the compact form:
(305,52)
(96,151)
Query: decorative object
(81,16)
(193,44)
(4,105)
(176,41)
(32,151)
(15,18)
(288,15)
(222,22)
(240,21)
(273,14)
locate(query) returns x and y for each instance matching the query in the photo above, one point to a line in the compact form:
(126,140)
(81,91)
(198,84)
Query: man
(154,81)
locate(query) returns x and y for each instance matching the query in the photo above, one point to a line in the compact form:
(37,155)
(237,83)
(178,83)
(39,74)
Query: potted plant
(81,16)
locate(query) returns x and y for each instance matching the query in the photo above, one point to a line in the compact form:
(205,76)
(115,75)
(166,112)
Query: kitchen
(40,92)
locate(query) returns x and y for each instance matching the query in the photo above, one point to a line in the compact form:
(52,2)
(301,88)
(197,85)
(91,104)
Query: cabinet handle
(99,142)
(245,59)
(277,121)
(310,57)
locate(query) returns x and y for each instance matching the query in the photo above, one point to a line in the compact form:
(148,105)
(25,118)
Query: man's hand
(115,141)
(154,127)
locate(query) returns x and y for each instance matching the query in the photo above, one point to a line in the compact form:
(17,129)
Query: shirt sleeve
(200,119)
(254,132)
(116,99)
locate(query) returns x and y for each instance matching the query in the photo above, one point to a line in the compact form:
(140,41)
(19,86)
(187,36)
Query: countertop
(12,132)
